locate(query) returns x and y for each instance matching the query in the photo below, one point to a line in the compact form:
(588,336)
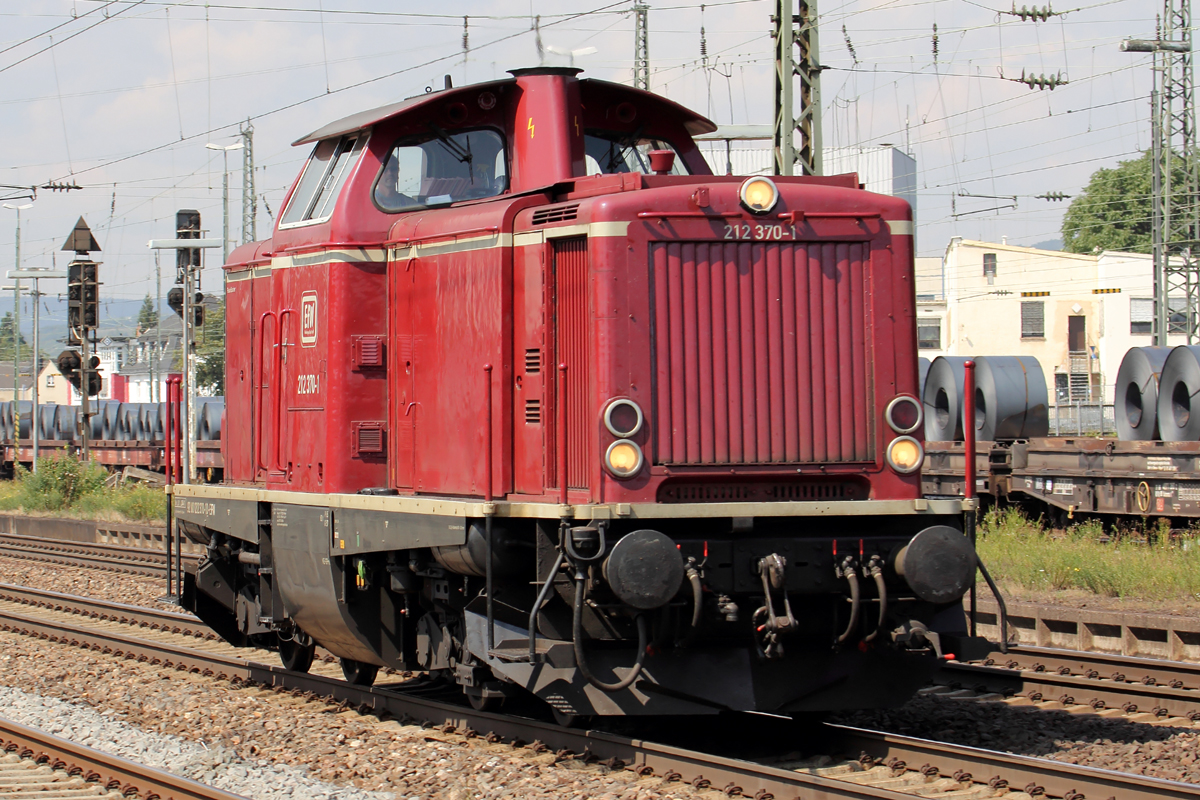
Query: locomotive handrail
(439,236)
(694,214)
(262,321)
(280,359)
(798,215)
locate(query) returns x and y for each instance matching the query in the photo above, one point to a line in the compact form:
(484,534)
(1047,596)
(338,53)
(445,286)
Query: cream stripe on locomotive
(474,508)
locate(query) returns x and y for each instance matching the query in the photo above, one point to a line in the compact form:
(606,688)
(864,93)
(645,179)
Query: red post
(169,438)
(968,411)
(174,397)
(969,472)
(562,434)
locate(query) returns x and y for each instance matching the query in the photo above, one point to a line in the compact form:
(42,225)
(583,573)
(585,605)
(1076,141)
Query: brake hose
(851,576)
(881,587)
(577,635)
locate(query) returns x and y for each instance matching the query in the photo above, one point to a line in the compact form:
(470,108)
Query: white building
(1077,314)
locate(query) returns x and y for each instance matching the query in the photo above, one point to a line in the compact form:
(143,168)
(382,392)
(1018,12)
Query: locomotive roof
(693,123)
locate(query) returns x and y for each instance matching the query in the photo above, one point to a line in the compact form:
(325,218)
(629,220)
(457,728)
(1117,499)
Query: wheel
(358,673)
(481,703)
(566,720)
(295,656)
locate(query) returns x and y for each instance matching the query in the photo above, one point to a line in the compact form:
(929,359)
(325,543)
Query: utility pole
(156,357)
(791,30)
(249,199)
(36,274)
(1175,216)
(225,192)
(17,319)
(641,47)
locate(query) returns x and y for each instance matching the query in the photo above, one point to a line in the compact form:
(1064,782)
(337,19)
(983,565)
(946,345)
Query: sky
(122,97)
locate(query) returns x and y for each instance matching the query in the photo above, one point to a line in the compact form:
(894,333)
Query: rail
(894,755)
(112,772)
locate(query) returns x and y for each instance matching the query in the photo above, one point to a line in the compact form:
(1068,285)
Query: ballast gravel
(415,763)
(1086,739)
(135,590)
(270,741)
(217,766)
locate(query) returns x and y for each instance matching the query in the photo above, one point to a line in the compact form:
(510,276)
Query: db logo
(308,319)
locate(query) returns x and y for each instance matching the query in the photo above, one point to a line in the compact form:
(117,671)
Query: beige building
(1077,314)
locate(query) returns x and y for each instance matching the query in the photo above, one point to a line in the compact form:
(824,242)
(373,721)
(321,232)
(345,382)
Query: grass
(1142,563)
(68,487)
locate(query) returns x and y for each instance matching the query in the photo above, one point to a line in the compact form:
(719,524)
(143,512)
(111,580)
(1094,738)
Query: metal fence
(1082,419)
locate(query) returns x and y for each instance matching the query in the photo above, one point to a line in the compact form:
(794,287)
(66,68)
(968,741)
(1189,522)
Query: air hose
(876,570)
(851,576)
(577,635)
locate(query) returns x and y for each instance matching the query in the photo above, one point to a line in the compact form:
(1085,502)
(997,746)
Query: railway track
(1140,689)
(37,764)
(878,765)
(126,560)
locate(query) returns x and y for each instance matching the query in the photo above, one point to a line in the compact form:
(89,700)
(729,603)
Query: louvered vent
(368,438)
(802,491)
(533,360)
(368,351)
(533,412)
(555,214)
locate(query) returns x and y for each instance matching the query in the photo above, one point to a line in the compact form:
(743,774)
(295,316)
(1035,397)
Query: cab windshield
(608,152)
(440,168)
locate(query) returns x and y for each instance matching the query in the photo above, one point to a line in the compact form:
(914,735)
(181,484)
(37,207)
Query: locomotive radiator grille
(570,348)
(760,353)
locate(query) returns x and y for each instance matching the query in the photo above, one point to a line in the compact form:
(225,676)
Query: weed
(1145,562)
(67,486)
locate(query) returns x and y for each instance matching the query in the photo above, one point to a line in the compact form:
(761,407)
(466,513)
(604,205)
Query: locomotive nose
(938,564)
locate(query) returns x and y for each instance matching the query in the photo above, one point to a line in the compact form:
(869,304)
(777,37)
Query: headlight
(905,454)
(759,195)
(623,418)
(623,458)
(903,414)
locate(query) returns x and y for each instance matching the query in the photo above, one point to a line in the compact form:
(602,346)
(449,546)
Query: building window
(989,267)
(929,334)
(49,380)
(1033,319)
(1141,315)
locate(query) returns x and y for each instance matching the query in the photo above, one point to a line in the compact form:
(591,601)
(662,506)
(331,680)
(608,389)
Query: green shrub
(1143,562)
(69,487)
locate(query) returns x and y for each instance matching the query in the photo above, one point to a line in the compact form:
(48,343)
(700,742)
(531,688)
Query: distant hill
(1049,244)
(117,317)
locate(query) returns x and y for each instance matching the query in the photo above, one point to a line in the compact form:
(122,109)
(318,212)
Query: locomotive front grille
(760,353)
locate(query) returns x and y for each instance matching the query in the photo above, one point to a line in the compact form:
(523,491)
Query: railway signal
(175,301)
(83,317)
(70,364)
(187,226)
(183,300)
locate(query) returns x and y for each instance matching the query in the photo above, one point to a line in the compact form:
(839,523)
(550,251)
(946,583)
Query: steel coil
(1178,406)
(942,398)
(1011,401)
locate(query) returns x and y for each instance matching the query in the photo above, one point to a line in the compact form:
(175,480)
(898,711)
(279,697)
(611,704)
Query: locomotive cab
(531,400)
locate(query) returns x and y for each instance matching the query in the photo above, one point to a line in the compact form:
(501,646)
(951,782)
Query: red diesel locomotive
(520,394)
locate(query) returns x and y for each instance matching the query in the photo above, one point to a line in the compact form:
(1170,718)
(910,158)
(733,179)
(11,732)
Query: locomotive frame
(521,395)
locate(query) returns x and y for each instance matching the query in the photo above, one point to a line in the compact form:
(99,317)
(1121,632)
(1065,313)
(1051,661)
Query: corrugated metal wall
(760,353)
(570,348)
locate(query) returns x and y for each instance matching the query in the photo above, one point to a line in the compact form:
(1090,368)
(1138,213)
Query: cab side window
(439,168)
(324,176)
